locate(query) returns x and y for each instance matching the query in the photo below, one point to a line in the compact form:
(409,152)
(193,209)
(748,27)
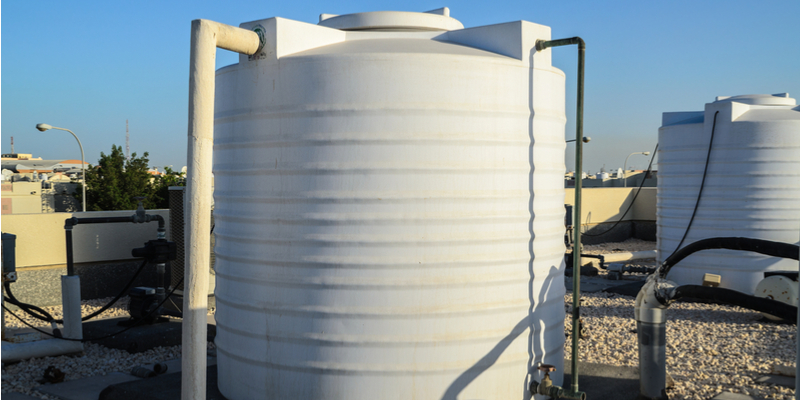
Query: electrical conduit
(206,37)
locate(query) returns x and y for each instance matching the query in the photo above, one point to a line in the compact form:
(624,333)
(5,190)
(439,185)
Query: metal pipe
(205,38)
(70,255)
(44,127)
(69,223)
(577,248)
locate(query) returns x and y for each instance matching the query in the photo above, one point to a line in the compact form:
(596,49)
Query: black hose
(702,185)
(767,247)
(101,337)
(122,293)
(772,307)
(32,310)
(641,185)
(44,316)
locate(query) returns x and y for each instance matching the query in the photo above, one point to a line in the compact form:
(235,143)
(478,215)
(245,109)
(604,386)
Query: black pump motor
(157,251)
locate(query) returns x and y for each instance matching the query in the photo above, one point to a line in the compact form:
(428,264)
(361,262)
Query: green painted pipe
(577,248)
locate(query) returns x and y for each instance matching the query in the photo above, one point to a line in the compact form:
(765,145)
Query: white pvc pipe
(629,256)
(71,304)
(206,37)
(42,348)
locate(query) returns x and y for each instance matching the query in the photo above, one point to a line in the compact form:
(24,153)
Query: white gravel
(23,377)
(119,309)
(710,348)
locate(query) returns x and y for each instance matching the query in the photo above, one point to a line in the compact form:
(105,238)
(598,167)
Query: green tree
(114,183)
(163,182)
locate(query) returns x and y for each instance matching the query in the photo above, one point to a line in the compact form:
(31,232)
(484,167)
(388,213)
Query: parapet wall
(601,208)
(102,254)
(41,240)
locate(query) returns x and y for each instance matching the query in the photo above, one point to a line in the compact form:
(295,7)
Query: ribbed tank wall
(389,221)
(752,187)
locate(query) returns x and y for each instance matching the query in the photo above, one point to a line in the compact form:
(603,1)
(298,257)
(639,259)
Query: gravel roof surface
(24,376)
(710,349)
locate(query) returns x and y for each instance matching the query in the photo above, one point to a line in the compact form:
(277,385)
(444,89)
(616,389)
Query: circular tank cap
(779,99)
(437,20)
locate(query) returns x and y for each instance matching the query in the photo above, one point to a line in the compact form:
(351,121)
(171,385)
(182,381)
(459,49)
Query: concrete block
(734,396)
(779,380)
(86,388)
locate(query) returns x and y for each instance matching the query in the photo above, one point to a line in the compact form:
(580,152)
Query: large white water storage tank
(389,210)
(752,187)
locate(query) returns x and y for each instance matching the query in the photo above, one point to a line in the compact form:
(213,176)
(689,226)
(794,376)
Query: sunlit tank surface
(389,210)
(752,187)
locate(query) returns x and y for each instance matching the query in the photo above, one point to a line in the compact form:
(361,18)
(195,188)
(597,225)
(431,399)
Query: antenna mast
(127,142)
(12,144)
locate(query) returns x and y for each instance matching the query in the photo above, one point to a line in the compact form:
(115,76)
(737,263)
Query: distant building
(33,186)
(614,179)
(19,156)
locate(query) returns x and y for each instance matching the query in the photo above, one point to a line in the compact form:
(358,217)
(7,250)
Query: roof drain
(206,37)
(658,293)
(536,387)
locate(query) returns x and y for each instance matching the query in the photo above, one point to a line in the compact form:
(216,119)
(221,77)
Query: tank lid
(434,20)
(779,99)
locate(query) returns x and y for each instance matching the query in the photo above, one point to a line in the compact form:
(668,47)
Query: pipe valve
(546,387)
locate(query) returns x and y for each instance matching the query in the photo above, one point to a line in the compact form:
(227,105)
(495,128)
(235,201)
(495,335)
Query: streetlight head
(43,127)
(647,153)
(586,139)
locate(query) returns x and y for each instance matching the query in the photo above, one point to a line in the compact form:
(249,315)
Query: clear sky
(90,65)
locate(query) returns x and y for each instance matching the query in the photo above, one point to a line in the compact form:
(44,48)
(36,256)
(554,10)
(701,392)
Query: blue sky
(90,65)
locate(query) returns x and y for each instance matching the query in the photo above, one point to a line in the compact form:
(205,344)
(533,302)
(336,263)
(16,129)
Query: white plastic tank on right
(751,188)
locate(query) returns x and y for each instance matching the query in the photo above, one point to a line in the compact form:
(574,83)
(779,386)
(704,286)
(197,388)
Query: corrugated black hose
(772,307)
(767,247)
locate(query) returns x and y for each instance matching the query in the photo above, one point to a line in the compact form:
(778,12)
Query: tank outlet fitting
(546,387)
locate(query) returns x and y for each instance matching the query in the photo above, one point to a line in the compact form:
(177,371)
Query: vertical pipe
(652,359)
(71,303)
(577,248)
(198,182)
(3,311)
(205,38)
(70,260)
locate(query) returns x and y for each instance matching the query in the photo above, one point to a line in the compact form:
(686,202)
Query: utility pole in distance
(127,142)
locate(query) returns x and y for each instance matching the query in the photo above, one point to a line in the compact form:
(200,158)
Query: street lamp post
(625,167)
(44,127)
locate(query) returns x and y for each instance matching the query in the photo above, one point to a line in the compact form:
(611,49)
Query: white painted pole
(71,304)
(206,37)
